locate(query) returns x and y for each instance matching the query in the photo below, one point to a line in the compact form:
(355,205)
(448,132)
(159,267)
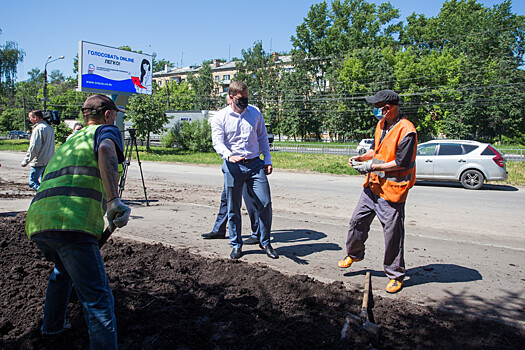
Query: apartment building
(223,73)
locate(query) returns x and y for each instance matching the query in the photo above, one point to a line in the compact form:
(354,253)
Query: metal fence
(316,149)
(515,155)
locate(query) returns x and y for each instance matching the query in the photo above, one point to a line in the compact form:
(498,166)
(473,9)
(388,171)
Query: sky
(183,32)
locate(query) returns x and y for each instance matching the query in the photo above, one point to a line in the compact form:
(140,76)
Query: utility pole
(168,93)
(45,79)
(25,114)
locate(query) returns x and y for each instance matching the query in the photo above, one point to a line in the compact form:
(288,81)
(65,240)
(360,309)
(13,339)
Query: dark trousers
(392,218)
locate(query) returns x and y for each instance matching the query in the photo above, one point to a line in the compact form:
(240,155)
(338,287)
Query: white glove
(362,168)
(118,214)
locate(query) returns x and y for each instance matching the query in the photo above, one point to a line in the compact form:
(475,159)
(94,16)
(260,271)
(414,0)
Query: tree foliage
(10,56)
(459,74)
(147,112)
(202,87)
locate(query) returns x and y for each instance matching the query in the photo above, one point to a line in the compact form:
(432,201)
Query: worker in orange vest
(389,175)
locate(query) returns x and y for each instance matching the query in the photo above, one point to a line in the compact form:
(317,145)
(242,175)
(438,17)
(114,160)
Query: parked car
(18,134)
(364,145)
(469,162)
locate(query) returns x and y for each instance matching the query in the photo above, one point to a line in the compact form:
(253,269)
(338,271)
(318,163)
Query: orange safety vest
(392,186)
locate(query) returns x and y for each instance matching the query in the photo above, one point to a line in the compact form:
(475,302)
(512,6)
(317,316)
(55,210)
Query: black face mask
(242,103)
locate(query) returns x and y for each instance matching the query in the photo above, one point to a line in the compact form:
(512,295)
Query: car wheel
(472,179)
(361,151)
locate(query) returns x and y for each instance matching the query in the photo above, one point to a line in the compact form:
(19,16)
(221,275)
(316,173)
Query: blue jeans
(222,216)
(236,176)
(35,176)
(79,265)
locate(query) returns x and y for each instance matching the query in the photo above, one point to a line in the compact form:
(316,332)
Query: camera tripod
(130,142)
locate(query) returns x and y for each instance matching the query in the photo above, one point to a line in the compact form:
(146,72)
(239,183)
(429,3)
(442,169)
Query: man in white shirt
(41,148)
(239,136)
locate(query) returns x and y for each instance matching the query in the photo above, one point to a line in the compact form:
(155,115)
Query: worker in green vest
(66,221)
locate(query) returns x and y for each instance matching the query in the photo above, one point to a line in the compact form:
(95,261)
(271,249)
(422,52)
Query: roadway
(464,249)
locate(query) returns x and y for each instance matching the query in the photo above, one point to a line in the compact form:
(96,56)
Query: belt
(244,161)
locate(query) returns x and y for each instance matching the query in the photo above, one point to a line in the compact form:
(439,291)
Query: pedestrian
(239,136)
(41,148)
(66,221)
(77,127)
(389,176)
(219,227)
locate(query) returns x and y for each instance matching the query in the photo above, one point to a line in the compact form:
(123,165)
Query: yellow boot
(346,262)
(394,286)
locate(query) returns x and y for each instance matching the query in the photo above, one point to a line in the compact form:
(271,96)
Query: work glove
(362,167)
(118,214)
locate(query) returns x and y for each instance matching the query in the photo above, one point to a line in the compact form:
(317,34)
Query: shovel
(367,325)
(105,236)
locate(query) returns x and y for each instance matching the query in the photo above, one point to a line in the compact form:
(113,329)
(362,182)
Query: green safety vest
(71,196)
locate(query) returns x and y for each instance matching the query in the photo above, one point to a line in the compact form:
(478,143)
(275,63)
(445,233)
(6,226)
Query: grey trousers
(392,218)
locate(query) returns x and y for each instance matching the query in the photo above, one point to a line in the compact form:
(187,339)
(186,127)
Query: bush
(194,136)
(62,131)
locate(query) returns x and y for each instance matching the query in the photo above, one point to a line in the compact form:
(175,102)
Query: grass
(321,163)
(516,172)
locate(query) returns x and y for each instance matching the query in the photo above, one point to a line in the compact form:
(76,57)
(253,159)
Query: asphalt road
(464,250)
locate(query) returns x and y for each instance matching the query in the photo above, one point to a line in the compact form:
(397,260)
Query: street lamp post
(45,79)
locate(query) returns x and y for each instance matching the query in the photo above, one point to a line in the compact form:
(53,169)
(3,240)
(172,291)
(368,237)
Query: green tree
(159,65)
(10,56)
(260,73)
(147,114)
(181,97)
(202,86)
(10,120)
(481,100)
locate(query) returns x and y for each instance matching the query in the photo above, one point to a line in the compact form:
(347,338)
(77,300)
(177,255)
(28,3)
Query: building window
(216,90)
(160,82)
(216,78)
(226,77)
(225,89)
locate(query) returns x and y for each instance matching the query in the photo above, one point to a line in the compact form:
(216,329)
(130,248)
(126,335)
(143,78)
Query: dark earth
(167,298)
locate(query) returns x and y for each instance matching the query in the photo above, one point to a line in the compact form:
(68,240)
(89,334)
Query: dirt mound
(170,299)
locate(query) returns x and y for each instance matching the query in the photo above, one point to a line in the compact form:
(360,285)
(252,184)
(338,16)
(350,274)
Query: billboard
(108,70)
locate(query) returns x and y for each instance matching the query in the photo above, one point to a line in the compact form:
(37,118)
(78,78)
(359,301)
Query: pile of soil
(170,299)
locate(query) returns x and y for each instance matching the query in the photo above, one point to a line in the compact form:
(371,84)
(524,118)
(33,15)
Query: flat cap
(99,102)
(386,96)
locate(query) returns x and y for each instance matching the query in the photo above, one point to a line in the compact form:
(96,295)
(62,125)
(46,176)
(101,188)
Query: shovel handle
(366,294)
(104,238)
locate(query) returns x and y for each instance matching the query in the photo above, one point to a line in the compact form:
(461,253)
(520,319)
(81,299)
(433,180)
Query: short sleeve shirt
(102,133)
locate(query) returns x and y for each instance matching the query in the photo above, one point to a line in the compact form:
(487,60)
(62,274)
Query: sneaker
(346,262)
(394,286)
(251,240)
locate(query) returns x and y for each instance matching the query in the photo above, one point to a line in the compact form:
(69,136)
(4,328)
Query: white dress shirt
(243,135)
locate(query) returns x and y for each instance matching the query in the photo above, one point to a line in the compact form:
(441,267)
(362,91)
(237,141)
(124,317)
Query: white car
(469,162)
(364,146)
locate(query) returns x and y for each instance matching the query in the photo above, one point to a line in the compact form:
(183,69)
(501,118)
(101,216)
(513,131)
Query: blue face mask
(378,113)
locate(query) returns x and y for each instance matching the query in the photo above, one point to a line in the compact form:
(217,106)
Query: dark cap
(386,96)
(97,103)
